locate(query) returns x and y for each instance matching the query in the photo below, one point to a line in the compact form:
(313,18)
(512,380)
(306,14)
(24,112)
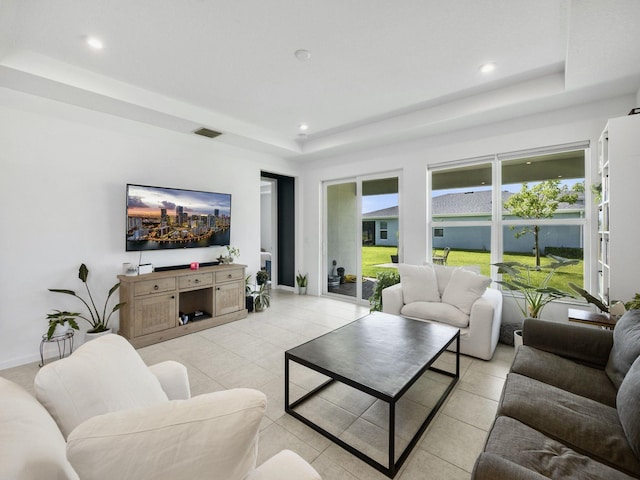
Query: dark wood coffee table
(382,355)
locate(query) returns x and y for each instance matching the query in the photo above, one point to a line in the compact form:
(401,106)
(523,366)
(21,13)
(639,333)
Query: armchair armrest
(210,436)
(173,378)
(286,465)
(484,324)
(392,299)
(589,346)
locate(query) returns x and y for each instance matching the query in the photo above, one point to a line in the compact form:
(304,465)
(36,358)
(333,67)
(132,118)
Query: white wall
(62,189)
(412,158)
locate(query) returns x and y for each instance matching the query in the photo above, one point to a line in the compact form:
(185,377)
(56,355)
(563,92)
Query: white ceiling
(380,70)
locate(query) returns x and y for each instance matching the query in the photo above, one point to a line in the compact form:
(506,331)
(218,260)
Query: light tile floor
(250,353)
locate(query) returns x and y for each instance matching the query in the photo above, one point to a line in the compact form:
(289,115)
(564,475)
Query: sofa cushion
(626,346)
(32,447)
(525,446)
(629,406)
(214,435)
(419,283)
(566,374)
(103,375)
(586,426)
(436,311)
(464,288)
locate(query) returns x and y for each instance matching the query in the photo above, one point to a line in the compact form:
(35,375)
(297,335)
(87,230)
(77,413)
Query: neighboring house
(380,227)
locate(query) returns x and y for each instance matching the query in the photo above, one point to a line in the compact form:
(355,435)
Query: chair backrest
(445,254)
(103,375)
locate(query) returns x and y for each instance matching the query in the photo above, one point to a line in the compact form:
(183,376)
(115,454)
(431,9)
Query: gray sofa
(570,407)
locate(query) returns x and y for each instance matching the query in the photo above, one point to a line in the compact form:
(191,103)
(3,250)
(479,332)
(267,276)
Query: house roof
(470,203)
(376,72)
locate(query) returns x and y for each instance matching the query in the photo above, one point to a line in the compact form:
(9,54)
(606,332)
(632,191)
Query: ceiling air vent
(206,132)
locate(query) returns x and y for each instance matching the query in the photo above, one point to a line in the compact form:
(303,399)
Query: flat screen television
(160,218)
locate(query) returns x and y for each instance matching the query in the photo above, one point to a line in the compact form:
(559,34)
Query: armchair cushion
(208,436)
(103,375)
(419,283)
(464,288)
(437,312)
(626,346)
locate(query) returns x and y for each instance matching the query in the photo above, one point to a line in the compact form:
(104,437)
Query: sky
(371,203)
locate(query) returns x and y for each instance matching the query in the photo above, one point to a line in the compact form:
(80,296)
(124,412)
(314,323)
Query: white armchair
(122,419)
(452,295)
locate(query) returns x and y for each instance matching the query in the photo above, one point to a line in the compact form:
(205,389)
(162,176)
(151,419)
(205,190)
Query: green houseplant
(58,320)
(536,294)
(302,280)
(384,279)
(262,277)
(98,322)
(262,298)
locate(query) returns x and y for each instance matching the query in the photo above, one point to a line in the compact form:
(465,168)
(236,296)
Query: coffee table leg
(392,439)
(286,383)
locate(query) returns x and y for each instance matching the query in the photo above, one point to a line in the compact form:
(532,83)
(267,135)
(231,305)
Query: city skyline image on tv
(167,218)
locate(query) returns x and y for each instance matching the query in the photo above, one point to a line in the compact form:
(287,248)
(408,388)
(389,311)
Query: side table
(62,348)
(603,320)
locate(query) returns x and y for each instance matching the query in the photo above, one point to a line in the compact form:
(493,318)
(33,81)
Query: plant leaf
(83,273)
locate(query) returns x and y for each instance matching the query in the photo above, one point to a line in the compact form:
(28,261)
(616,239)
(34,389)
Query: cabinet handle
(197,280)
(156,287)
(172,297)
(229,276)
(218,288)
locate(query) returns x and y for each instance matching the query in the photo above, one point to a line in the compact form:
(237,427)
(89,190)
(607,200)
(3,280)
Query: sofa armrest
(392,299)
(490,467)
(586,345)
(210,433)
(173,378)
(286,465)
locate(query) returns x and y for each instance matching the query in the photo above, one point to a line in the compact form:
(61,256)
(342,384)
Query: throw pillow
(419,283)
(103,375)
(626,346)
(464,288)
(627,405)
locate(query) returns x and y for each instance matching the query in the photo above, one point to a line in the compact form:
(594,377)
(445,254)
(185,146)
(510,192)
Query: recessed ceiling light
(303,127)
(302,55)
(95,43)
(488,67)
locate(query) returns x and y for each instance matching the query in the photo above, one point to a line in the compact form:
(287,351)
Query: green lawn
(372,256)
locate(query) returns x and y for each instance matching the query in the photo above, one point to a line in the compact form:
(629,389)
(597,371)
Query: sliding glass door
(361,234)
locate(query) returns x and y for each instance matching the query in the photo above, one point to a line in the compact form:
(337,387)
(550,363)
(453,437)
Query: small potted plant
(98,321)
(232,253)
(60,322)
(262,277)
(262,298)
(301,280)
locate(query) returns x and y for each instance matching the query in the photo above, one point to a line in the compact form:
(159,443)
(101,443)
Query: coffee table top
(380,352)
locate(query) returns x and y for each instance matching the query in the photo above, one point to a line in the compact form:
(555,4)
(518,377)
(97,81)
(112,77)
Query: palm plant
(535,294)
(99,322)
(262,298)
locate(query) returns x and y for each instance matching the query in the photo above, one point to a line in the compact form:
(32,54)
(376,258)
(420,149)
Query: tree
(540,201)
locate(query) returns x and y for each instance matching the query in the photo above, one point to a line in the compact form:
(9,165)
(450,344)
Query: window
(536,211)
(383,230)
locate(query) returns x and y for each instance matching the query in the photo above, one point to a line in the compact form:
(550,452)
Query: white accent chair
(122,421)
(452,295)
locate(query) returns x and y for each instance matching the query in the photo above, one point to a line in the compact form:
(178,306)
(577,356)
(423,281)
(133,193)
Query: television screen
(164,218)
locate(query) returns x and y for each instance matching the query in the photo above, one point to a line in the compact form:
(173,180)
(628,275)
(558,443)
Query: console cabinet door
(155,313)
(229,298)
